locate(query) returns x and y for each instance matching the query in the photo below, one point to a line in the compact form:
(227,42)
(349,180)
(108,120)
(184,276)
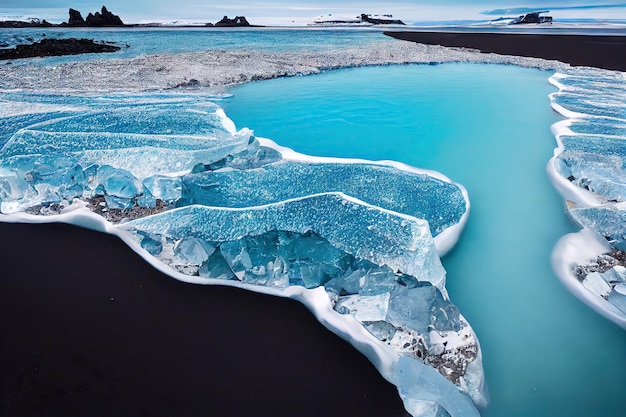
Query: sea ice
(218,205)
(590,158)
(441,203)
(608,221)
(385,238)
(130,148)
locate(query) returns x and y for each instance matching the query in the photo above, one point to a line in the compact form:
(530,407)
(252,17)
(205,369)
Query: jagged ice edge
(585,245)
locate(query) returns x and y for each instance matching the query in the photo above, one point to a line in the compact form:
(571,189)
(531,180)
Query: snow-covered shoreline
(217,69)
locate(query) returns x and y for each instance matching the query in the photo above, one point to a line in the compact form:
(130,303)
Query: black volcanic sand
(607,52)
(88,328)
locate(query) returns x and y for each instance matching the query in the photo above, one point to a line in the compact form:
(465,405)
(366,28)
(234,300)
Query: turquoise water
(487,127)
(138,41)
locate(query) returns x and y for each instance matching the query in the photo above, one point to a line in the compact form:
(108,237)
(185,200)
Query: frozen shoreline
(217,69)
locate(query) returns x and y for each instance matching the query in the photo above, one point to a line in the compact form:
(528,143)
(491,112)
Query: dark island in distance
(104,18)
(73,46)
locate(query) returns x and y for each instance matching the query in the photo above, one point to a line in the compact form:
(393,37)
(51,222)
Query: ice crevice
(208,204)
(588,171)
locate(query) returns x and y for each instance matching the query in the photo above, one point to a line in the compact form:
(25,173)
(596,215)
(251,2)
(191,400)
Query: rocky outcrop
(103,18)
(76,19)
(56,47)
(381,20)
(26,24)
(238,21)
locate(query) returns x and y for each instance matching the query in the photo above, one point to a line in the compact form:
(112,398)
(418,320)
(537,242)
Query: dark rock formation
(103,18)
(56,47)
(236,22)
(384,20)
(76,19)
(30,23)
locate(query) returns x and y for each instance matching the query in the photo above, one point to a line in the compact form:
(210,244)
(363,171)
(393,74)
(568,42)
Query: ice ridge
(588,170)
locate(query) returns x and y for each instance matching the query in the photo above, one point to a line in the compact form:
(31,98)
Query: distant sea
(487,127)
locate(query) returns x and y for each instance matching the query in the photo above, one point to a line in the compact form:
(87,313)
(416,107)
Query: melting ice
(588,170)
(217,205)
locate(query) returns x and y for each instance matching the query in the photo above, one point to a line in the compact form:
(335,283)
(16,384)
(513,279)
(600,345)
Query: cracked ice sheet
(77,215)
(588,171)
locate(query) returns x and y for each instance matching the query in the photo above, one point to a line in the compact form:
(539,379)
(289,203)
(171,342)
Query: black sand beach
(601,51)
(122,339)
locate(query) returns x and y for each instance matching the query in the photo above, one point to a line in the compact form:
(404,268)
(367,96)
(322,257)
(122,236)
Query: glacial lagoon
(545,353)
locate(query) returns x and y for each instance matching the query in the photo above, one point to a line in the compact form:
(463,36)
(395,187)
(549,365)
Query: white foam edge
(444,241)
(316,300)
(564,187)
(568,190)
(578,249)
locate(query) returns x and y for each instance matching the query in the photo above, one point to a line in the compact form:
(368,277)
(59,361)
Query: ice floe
(209,204)
(588,171)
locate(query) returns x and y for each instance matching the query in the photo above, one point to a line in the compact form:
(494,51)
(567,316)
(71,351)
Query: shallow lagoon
(487,127)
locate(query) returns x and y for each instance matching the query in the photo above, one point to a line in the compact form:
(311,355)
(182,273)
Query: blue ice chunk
(366,278)
(347,284)
(255,260)
(166,188)
(441,203)
(216,267)
(193,250)
(12,186)
(146,199)
(602,174)
(422,308)
(426,393)
(411,308)
(615,275)
(608,221)
(364,308)
(308,274)
(381,329)
(382,237)
(314,255)
(118,182)
(151,243)
(280,258)
(254,156)
(617,297)
(597,285)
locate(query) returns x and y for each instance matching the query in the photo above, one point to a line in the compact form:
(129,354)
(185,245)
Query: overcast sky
(277,11)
